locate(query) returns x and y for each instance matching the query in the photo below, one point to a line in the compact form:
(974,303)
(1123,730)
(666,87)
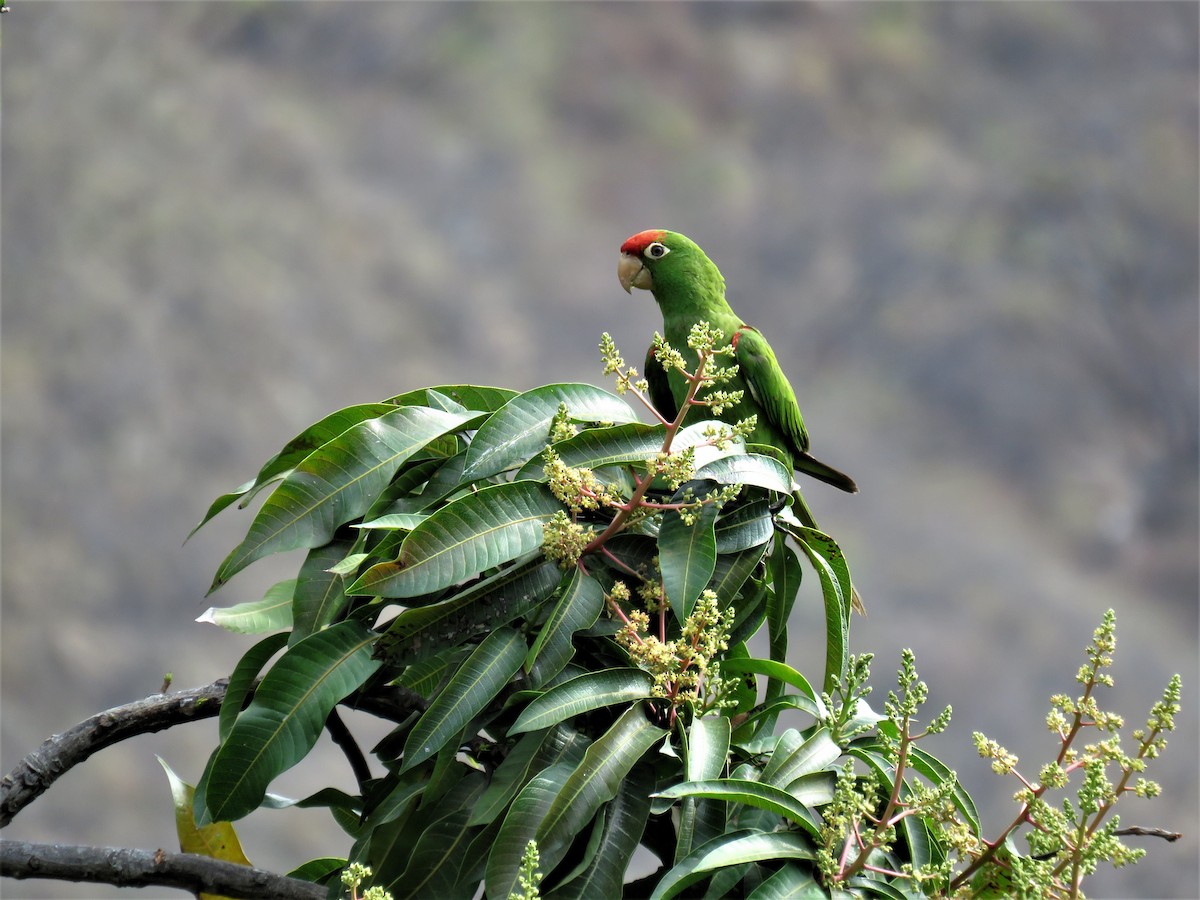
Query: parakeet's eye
(656,251)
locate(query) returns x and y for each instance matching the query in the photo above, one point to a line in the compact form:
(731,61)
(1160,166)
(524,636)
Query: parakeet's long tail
(817,469)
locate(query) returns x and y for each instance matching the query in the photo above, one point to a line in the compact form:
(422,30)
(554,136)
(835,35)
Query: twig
(142,868)
(343,738)
(1139,831)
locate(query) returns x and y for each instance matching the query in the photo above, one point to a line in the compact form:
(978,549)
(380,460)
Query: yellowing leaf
(216,841)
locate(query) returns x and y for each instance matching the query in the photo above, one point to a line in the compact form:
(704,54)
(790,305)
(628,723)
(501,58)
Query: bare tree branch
(142,868)
(33,775)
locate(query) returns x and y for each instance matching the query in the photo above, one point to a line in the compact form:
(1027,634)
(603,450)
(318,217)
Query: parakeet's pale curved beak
(632,274)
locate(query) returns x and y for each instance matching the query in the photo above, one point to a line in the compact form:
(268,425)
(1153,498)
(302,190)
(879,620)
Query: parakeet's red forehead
(643,239)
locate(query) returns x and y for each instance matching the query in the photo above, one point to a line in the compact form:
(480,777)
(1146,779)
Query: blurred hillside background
(969,230)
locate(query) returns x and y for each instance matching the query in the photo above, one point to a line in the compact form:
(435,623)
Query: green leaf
(437,858)
(394,522)
(579,607)
(470,396)
(521,824)
(513,593)
(707,748)
(779,672)
(744,527)
(595,781)
(316,435)
(687,557)
(632,443)
(508,778)
(425,631)
(730,850)
(579,695)
(790,883)
(272,613)
(554,824)
(731,572)
(785,583)
(837,609)
(521,427)
(624,822)
(749,468)
(815,754)
(753,793)
(285,718)
(320,593)
(484,674)
(216,841)
(827,548)
(467,536)
(318,870)
(336,483)
(241,681)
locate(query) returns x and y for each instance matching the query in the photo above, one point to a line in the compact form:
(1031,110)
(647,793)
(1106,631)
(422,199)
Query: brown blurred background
(970,231)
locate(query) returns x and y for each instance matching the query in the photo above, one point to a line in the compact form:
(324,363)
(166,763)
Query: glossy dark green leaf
(707,748)
(749,468)
(779,672)
(837,610)
(554,824)
(318,870)
(242,679)
(733,849)
(320,594)
(818,752)
(687,557)
(624,822)
(753,793)
(437,857)
(272,613)
(731,571)
(827,548)
(785,584)
(470,396)
(744,527)
(479,680)
(508,778)
(316,435)
(596,780)
(631,443)
(286,717)
(336,483)
(467,536)
(425,631)
(579,605)
(525,816)
(579,695)
(790,883)
(521,427)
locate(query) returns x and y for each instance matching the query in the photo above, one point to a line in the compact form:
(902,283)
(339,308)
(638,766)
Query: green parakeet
(689,288)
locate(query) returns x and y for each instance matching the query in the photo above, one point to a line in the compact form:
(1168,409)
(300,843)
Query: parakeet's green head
(669,265)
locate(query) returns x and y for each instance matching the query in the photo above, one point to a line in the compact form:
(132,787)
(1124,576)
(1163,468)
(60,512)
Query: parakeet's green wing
(773,394)
(660,388)
(769,387)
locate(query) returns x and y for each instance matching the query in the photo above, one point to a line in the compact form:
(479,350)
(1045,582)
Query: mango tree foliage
(552,603)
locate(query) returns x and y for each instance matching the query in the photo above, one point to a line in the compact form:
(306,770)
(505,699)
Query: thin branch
(1139,831)
(143,868)
(343,738)
(33,775)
